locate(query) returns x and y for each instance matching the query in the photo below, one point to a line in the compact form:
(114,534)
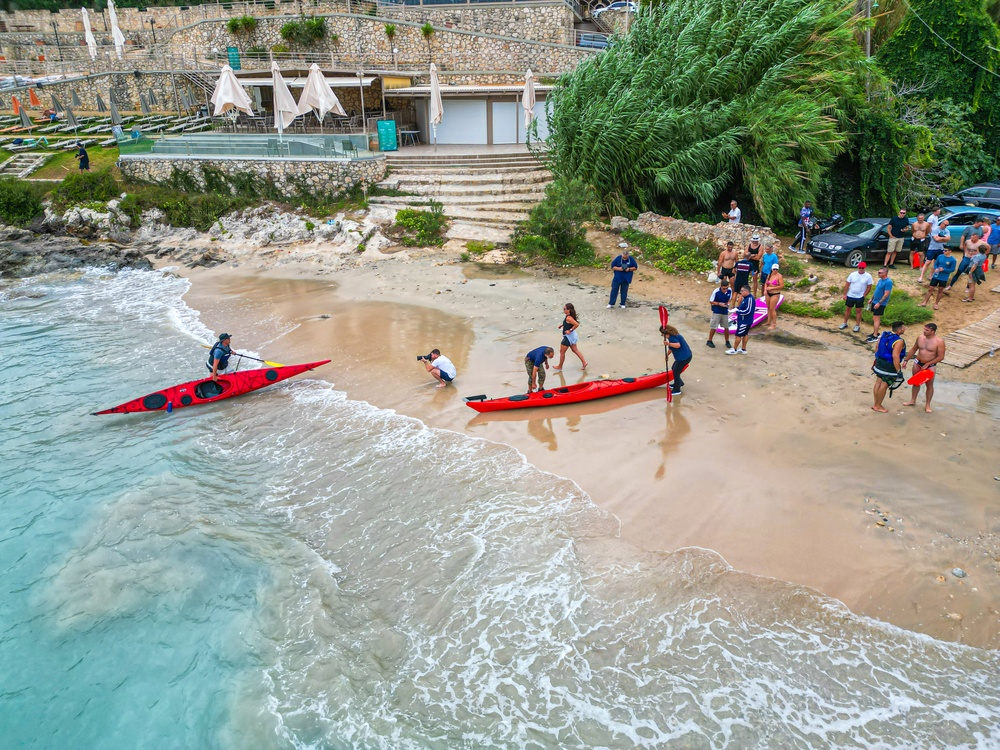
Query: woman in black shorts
(569,325)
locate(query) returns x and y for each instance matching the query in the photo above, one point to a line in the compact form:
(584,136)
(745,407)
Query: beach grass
(64,163)
(902,307)
(673,256)
(805,309)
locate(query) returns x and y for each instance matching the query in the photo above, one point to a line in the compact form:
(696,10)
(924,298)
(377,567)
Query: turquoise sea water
(299,570)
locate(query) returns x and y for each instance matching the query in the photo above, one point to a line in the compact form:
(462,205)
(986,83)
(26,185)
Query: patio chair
(348,148)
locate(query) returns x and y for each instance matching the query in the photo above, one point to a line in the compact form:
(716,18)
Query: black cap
(224,336)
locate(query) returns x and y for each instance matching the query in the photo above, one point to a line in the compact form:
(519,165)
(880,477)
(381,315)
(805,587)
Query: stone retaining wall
(675,229)
(291,176)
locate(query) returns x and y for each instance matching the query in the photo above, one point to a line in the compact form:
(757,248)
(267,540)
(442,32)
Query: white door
(463,121)
(505,116)
(540,118)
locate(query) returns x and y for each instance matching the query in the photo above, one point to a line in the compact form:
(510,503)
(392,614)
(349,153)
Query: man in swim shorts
(928,350)
(744,320)
(440,368)
(855,290)
(727,259)
(888,364)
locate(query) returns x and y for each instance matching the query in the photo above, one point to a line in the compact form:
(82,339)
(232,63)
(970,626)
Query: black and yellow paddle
(247,356)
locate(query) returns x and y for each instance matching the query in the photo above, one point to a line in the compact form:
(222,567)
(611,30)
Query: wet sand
(774,460)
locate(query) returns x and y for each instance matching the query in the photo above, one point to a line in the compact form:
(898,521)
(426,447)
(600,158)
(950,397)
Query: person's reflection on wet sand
(541,430)
(677,429)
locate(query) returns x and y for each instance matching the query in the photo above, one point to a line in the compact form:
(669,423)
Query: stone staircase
(485,195)
(23,164)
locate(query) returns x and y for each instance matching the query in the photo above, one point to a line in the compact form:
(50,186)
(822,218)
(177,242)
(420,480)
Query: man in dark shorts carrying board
(888,364)
(928,350)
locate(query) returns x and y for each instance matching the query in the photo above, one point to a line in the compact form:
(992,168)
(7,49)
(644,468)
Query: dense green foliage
(902,307)
(84,187)
(305,32)
(804,309)
(554,228)
(242,25)
(20,203)
(674,256)
(700,96)
(421,228)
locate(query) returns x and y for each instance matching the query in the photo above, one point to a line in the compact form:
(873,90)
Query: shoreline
(767,461)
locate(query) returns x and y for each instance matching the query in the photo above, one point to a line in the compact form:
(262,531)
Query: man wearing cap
(755,252)
(218,358)
(855,290)
(719,300)
(623,266)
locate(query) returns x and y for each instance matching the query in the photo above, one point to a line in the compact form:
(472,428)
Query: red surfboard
(205,391)
(924,376)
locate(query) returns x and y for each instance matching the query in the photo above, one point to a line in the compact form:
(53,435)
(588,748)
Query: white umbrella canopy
(528,99)
(317,95)
(229,94)
(88,34)
(285,108)
(116,33)
(437,107)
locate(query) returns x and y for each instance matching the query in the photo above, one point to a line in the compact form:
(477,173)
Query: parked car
(593,41)
(867,239)
(985,195)
(624,5)
(961,217)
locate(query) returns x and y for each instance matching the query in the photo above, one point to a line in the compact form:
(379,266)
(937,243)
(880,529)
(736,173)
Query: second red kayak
(206,391)
(569,394)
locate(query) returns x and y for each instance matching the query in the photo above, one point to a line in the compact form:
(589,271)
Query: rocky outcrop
(24,253)
(719,234)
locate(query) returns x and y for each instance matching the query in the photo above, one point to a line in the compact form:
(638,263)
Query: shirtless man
(727,259)
(920,238)
(927,351)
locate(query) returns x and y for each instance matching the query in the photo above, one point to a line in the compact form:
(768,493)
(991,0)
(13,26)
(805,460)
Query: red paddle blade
(924,376)
(664,316)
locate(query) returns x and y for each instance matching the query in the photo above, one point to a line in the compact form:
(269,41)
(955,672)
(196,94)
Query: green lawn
(65,162)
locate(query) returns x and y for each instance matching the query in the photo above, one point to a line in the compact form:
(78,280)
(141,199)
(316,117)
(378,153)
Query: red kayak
(570,394)
(204,391)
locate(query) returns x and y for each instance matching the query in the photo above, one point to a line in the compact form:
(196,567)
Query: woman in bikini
(569,325)
(772,288)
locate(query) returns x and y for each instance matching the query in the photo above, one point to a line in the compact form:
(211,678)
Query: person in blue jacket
(536,362)
(682,356)
(623,266)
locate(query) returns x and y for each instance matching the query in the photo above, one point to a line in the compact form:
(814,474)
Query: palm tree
(390,34)
(700,98)
(427,31)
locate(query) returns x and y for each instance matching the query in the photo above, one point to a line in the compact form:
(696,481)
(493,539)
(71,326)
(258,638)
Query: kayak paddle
(247,356)
(664,318)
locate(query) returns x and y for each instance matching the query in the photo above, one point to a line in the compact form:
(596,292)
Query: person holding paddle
(218,358)
(928,350)
(682,356)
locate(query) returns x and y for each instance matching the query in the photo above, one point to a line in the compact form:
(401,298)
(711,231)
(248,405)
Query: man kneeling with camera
(440,367)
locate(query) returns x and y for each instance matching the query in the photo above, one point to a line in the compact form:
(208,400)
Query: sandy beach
(773,460)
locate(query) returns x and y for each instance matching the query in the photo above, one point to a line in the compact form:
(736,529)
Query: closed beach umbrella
(33,98)
(437,107)
(185,102)
(57,105)
(15,104)
(144,105)
(151,98)
(25,120)
(2,105)
(285,108)
(101,106)
(229,94)
(528,99)
(318,96)
(89,36)
(71,120)
(116,118)
(116,33)
(74,99)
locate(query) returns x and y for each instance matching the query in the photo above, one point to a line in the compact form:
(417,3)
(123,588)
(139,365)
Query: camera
(422,357)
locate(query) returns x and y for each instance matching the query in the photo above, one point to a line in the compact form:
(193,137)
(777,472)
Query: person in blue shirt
(218,358)
(623,266)
(677,346)
(805,221)
(943,266)
(536,362)
(880,300)
(768,260)
(744,320)
(83,156)
(719,300)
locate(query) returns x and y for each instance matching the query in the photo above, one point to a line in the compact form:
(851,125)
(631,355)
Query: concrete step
(490,189)
(462,199)
(438,158)
(462,179)
(465,231)
(470,168)
(458,202)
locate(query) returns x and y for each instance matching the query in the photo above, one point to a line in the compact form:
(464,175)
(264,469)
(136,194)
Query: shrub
(85,187)
(256,52)
(804,309)
(421,228)
(673,256)
(304,32)
(554,228)
(902,307)
(792,267)
(280,49)
(242,26)
(19,202)
(476,247)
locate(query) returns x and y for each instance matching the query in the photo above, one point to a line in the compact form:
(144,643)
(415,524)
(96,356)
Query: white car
(626,5)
